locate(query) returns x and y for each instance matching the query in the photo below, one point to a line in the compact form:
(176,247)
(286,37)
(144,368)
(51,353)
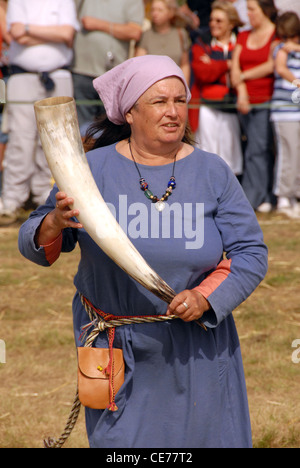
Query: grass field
(38,380)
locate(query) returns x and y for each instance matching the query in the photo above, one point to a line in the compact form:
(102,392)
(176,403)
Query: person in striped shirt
(285,115)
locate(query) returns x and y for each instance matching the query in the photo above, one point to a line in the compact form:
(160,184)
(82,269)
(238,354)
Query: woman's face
(160,114)
(219,24)
(255,13)
(160,13)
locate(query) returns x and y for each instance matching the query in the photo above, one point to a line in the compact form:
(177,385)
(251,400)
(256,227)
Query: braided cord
(53,443)
(100,326)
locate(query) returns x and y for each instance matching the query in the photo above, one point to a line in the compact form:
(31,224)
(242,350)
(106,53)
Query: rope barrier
(192,105)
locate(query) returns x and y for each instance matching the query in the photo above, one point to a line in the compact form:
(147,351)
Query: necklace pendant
(160,205)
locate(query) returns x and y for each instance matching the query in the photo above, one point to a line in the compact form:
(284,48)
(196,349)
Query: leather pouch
(100,376)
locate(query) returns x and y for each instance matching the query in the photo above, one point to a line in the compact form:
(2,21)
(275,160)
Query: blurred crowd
(240,57)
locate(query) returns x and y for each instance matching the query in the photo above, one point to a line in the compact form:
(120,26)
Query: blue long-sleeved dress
(184,387)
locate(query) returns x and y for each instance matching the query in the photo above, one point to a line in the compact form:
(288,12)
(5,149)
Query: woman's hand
(63,213)
(189,305)
(243,105)
(243,102)
(57,220)
(205,58)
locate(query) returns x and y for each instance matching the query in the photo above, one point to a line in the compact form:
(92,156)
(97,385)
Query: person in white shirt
(40,53)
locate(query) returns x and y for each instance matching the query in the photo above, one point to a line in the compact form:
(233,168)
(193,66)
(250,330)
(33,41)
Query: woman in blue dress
(184,387)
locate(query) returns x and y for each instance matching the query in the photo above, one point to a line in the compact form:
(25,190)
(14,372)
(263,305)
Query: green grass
(38,381)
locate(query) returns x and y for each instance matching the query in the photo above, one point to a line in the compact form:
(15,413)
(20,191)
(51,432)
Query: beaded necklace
(159,202)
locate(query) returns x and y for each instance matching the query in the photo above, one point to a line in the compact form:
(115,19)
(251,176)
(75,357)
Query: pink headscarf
(121,87)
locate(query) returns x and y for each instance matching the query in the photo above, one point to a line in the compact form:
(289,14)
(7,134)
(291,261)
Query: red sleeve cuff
(215,279)
(53,250)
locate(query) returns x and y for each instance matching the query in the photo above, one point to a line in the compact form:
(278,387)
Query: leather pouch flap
(92,362)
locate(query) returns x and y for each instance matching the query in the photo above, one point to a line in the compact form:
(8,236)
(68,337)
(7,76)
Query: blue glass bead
(144,186)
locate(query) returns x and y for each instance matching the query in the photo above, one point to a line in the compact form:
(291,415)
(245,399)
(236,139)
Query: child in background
(164,38)
(285,115)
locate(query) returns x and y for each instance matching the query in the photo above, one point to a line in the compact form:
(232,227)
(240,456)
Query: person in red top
(215,124)
(252,75)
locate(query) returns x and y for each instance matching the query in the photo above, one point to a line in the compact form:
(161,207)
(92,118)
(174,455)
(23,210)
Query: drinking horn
(58,128)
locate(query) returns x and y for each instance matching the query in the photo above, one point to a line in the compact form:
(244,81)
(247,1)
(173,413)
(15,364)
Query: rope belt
(100,321)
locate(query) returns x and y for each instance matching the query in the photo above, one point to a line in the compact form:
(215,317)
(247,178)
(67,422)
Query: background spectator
(5,40)
(252,74)
(102,43)
(285,115)
(217,130)
(199,12)
(41,48)
(164,38)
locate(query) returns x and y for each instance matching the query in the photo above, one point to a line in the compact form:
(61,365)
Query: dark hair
(103,132)
(288,25)
(269,9)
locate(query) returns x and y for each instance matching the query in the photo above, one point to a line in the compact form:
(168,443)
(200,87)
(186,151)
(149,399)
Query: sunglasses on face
(216,20)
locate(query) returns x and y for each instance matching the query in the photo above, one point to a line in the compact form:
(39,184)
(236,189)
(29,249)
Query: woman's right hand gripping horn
(57,220)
